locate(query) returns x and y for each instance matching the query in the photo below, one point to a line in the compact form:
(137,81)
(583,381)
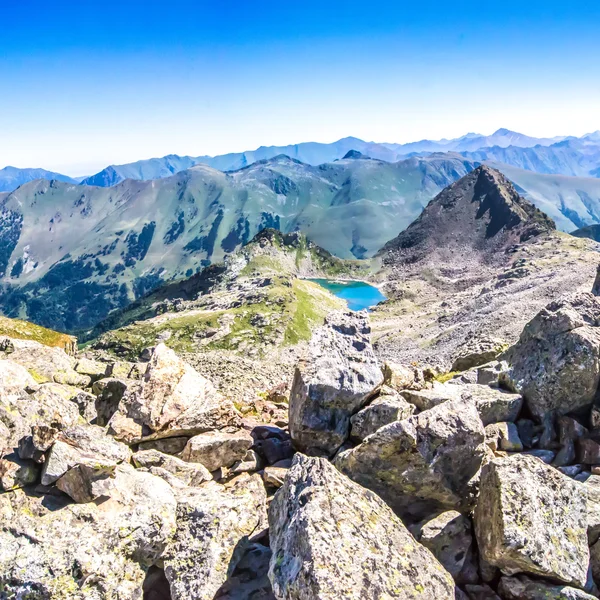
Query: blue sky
(84,84)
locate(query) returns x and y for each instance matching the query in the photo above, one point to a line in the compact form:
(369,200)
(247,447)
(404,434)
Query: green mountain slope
(70,254)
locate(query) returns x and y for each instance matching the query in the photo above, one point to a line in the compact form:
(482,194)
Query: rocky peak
(353,154)
(481,211)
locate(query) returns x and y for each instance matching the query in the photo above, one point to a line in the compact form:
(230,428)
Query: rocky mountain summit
(471,271)
(371,480)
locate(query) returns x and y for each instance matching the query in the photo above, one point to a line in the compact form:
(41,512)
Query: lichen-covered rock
(388,407)
(530,518)
(332,539)
(477,352)
(494,405)
(172,400)
(556,362)
(53,549)
(43,362)
(524,588)
(87,482)
(48,405)
(213,524)
(14,375)
(423,464)
(449,536)
(217,449)
(192,474)
(336,379)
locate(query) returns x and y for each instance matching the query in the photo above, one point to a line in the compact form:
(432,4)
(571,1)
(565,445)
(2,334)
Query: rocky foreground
(141,480)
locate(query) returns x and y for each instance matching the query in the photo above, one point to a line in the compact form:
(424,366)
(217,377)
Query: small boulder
(217,449)
(388,407)
(274,476)
(332,539)
(503,436)
(93,368)
(87,482)
(493,405)
(336,379)
(17,473)
(423,464)
(524,588)
(173,445)
(191,474)
(428,398)
(477,352)
(530,518)
(402,377)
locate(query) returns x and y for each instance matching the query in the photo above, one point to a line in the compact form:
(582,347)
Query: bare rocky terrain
(242,435)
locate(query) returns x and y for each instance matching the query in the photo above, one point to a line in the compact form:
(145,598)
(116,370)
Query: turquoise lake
(357,294)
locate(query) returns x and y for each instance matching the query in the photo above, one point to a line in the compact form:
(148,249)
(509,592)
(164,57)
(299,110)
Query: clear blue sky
(84,84)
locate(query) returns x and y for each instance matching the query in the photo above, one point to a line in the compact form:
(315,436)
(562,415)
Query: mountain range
(560,155)
(70,254)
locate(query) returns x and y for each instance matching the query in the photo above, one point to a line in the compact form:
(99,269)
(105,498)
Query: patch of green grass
(309,310)
(443,377)
(22,330)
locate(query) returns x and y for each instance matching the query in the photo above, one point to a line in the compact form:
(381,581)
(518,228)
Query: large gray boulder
(213,526)
(532,519)
(423,464)
(556,362)
(336,379)
(50,548)
(172,400)
(332,539)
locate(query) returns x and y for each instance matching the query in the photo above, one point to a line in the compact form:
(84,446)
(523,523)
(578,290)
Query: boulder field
(135,481)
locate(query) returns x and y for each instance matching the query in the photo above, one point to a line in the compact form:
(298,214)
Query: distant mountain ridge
(12,177)
(580,157)
(311,153)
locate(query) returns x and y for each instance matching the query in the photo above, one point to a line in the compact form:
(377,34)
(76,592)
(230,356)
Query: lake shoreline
(357,294)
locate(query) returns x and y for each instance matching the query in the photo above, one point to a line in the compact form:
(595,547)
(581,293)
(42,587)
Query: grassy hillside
(22,330)
(255,301)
